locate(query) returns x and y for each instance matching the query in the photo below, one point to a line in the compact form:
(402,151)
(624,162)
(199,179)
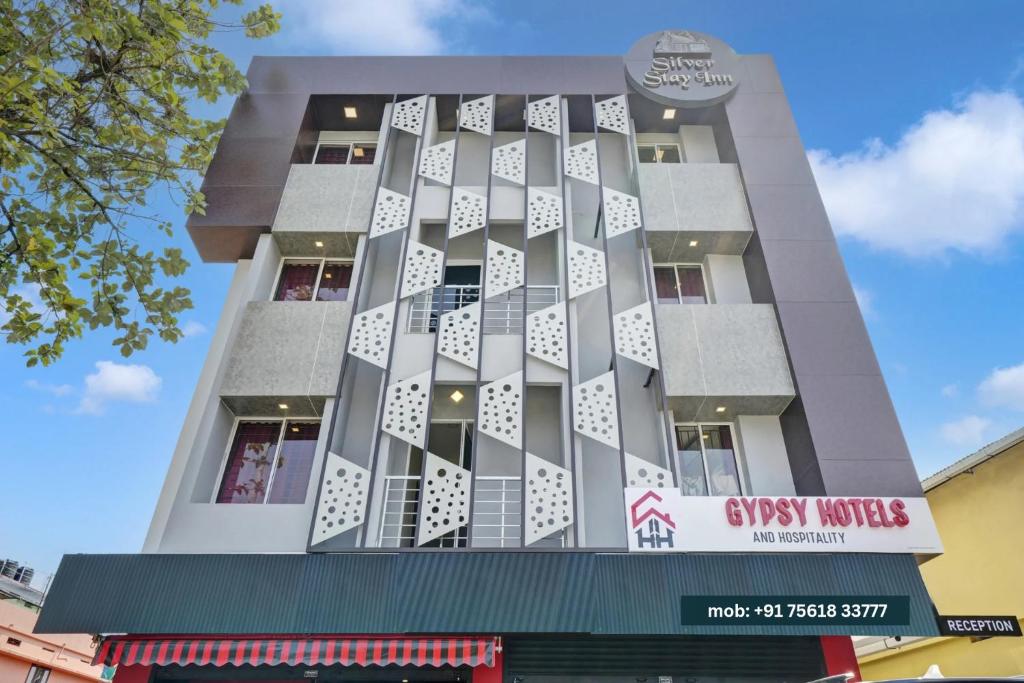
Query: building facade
(505,338)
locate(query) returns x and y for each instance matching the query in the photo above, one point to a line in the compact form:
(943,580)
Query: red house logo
(646,509)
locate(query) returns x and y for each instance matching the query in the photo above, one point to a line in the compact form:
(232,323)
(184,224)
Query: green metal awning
(456,592)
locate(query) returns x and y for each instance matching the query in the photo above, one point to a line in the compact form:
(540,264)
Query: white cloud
(55,389)
(1004,387)
(967,432)
(950,391)
(116,382)
(382,27)
(192,328)
(865,300)
(953,182)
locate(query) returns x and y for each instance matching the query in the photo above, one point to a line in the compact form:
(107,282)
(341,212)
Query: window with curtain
(37,674)
(680,284)
(706,459)
(332,154)
(334,281)
(250,463)
(294,463)
(297,281)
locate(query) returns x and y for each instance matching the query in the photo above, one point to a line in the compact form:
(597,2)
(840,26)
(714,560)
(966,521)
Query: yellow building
(978,505)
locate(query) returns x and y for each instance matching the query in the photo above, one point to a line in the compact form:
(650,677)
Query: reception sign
(664,520)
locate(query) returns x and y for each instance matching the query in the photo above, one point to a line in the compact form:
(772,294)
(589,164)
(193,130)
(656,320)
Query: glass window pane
(334,281)
(363,154)
(296,282)
(691,465)
(691,285)
(249,463)
(646,154)
(295,463)
(722,473)
(665,284)
(668,154)
(331,154)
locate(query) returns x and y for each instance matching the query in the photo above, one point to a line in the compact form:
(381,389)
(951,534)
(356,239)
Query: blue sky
(915,116)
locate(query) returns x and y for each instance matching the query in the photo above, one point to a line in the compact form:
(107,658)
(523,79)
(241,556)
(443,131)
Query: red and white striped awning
(323,651)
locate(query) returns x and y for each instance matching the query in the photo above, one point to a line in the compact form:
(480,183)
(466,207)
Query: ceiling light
(327,276)
(358,152)
(282,406)
(669,114)
(295,429)
(457,396)
(720,409)
(693,243)
(350,113)
(318,244)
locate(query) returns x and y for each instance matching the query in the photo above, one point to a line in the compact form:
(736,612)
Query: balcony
(723,355)
(699,203)
(327,198)
(502,314)
(286,351)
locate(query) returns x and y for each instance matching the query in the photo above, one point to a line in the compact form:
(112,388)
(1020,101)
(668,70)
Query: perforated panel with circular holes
(500,413)
(595,410)
(545,115)
(438,162)
(390,212)
(547,498)
(586,269)
(509,161)
(504,270)
(342,503)
(621,212)
(478,114)
(641,474)
(469,212)
(546,335)
(371,334)
(408,114)
(423,268)
(634,335)
(544,212)
(581,161)
(405,409)
(613,115)
(444,498)
(460,335)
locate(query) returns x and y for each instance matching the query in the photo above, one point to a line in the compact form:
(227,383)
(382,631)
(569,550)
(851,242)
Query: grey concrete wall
(326,199)
(727,279)
(699,144)
(763,451)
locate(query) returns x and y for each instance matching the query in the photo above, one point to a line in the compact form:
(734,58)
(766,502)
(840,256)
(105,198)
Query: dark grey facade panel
(455,592)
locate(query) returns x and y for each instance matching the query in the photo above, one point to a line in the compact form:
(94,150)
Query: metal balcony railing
(498,512)
(401,504)
(502,314)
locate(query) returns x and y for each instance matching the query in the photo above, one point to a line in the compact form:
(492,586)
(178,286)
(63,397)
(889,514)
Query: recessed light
(693,243)
(457,396)
(295,429)
(318,244)
(359,152)
(327,276)
(351,113)
(669,114)
(720,409)
(282,406)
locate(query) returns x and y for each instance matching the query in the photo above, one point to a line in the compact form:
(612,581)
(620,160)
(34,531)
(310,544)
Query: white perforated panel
(634,335)
(390,213)
(408,114)
(423,268)
(545,212)
(343,497)
(444,499)
(405,409)
(509,161)
(545,115)
(469,212)
(641,474)
(504,270)
(586,269)
(612,114)
(501,409)
(595,409)
(371,334)
(438,161)
(621,212)
(478,114)
(546,335)
(460,335)
(581,161)
(547,499)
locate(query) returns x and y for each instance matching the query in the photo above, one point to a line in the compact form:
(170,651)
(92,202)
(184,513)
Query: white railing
(497,512)
(503,314)
(398,522)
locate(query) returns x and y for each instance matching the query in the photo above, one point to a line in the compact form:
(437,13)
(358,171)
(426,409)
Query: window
(313,279)
(680,284)
(258,471)
(345,153)
(37,674)
(659,154)
(707,460)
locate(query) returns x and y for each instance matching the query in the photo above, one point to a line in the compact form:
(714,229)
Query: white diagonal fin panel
(581,162)
(371,334)
(438,162)
(641,474)
(423,268)
(634,335)
(469,212)
(545,115)
(501,409)
(595,409)
(405,409)
(390,212)
(444,498)
(408,114)
(547,498)
(546,335)
(509,162)
(544,212)
(460,335)
(621,212)
(505,269)
(613,115)
(586,269)
(478,114)
(342,503)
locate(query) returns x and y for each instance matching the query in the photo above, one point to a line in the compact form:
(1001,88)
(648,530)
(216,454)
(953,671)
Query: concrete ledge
(327,198)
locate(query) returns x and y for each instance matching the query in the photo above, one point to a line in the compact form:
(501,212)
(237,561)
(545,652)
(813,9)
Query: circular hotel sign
(682,68)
